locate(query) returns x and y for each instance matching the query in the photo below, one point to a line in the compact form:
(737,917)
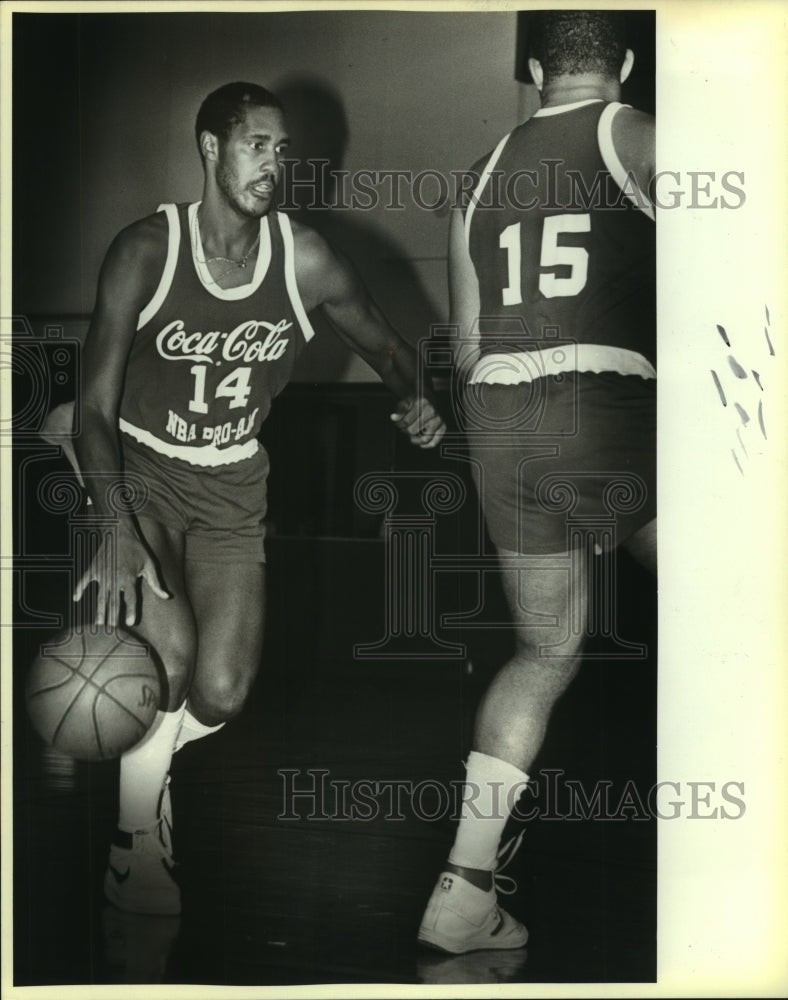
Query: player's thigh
(169,625)
(548,599)
(228,600)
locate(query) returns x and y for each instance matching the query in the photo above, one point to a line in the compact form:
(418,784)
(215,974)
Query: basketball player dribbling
(201,312)
(553,292)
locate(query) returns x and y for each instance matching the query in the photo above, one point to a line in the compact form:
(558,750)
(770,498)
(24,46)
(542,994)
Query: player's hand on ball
(132,562)
(419,419)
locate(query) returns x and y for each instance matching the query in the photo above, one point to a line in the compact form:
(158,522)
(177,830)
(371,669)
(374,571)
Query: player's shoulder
(633,134)
(322,273)
(631,121)
(304,236)
(503,141)
(475,171)
(145,235)
(469,179)
(633,131)
(312,251)
(140,246)
(476,168)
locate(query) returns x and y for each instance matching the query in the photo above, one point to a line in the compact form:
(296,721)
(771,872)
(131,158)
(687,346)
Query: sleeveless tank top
(206,362)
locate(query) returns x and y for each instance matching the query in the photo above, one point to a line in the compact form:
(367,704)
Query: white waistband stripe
(206,456)
(527,366)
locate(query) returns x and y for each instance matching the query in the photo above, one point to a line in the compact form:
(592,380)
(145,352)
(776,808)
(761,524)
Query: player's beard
(232,191)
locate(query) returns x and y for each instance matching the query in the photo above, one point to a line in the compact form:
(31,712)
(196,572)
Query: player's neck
(585,87)
(223,231)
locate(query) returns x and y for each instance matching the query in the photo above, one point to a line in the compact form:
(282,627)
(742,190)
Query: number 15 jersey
(563,243)
(206,362)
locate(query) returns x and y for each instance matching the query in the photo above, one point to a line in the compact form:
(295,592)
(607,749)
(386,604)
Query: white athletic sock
(492,787)
(192,729)
(143,770)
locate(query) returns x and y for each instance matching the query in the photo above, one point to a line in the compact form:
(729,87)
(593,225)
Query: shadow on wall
(319,133)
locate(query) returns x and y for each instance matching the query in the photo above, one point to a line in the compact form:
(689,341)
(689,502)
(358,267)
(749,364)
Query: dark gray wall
(103,132)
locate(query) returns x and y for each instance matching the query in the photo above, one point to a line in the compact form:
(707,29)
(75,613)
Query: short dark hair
(569,42)
(226,107)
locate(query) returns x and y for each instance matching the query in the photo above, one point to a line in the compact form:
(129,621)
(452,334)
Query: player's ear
(626,67)
(209,145)
(537,73)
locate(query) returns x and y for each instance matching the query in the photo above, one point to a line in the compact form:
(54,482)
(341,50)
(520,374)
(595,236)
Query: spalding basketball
(93,694)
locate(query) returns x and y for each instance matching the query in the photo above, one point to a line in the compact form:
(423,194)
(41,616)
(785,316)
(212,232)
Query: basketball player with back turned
(553,292)
(201,312)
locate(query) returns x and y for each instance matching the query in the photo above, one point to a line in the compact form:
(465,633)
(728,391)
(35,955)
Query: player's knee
(534,644)
(178,661)
(546,646)
(527,645)
(223,695)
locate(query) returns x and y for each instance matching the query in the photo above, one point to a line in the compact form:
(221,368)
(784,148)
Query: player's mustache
(269,177)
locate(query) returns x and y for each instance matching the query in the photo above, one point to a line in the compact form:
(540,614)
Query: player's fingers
(411,420)
(425,428)
(113,605)
(86,578)
(427,411)
(102,598)
(430,422)
(426,417)
(107,586)
(434,438)
(130,602)
(151,577)
(402,409)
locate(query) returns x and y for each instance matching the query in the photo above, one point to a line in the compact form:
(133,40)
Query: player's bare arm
(634,139)
(463,297)
(327,279)
(127,281)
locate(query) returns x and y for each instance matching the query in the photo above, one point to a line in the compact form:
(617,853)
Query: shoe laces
(505,884)
(165,817)
(153,840)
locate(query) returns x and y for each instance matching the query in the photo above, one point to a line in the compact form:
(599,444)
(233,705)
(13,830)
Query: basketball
(93,694)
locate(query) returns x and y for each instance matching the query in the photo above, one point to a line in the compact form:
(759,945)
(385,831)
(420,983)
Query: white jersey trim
(490,166)
(559,109)
(206,456)
(290,277)
(527,366)
(173,244)
(611,160)
(204,274)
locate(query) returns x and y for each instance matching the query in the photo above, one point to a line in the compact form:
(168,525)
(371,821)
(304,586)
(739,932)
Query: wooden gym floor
(271,900)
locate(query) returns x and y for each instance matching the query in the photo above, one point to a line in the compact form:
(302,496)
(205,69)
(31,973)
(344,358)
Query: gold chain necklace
(228,260)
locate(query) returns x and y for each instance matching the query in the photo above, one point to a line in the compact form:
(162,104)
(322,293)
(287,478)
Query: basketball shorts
(220,510)
(562,456)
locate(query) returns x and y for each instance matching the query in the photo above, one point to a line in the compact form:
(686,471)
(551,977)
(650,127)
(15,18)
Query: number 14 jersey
(562,241)
(206,362)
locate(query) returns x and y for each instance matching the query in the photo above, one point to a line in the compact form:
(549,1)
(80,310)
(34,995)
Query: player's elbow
(98,416)
(384,362)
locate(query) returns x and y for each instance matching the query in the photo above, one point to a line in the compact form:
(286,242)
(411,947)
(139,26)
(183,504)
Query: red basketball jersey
(558,245)
(206,361)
